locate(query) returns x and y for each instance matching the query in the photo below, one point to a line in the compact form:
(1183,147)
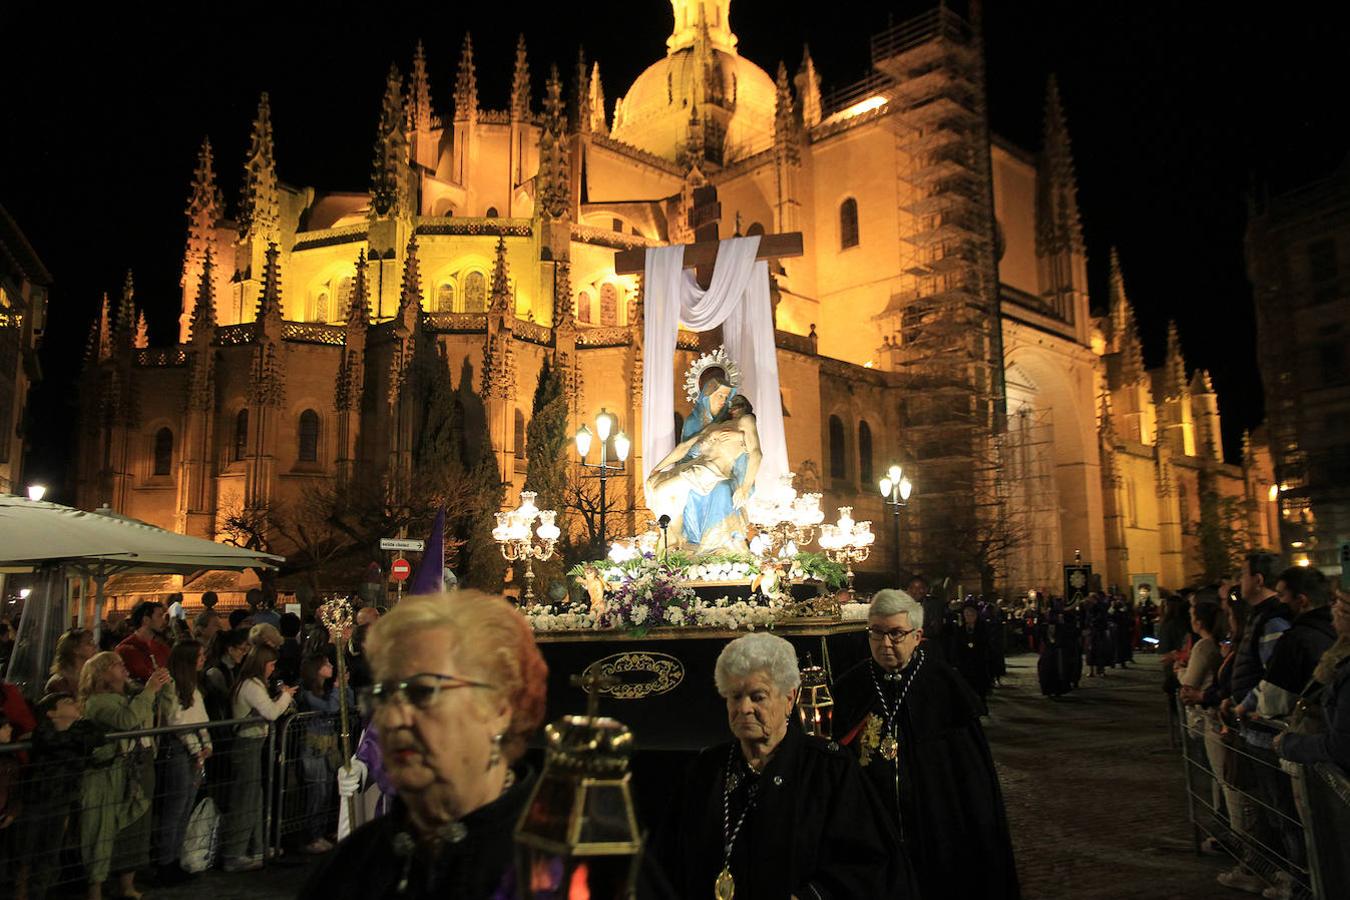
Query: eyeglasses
(895,635)
(419,691)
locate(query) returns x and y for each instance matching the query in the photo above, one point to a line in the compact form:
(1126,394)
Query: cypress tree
(485,564)
(546,441)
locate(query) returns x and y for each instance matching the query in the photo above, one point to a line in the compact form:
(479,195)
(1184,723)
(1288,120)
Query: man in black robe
(915,727)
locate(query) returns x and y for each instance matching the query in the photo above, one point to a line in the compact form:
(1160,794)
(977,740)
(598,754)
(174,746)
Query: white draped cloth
(738,300)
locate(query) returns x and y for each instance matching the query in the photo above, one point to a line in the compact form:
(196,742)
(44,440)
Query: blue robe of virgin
(703,513)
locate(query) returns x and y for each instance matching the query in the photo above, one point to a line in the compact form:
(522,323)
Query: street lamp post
(895,490)
(604,425)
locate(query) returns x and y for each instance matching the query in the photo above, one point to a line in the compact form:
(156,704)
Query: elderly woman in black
(777,813)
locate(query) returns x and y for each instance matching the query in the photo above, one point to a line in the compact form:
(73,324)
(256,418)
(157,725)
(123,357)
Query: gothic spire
(1059,225)
(501,286)
(520,83)
(142,339)
(410,289)
(581,99)
(1124,332)
(466,84)
(784,116)
(421,117)
(205,206)
(808,90)
(101,340)
(553,190)
(204,309)
(1174,380)
(564,311)
(358,309)
(260,205)
(389,170)
(269,300)
(124,334)
(597,102)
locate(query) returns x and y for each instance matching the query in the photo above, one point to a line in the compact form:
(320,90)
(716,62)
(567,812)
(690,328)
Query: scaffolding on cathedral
(943,331)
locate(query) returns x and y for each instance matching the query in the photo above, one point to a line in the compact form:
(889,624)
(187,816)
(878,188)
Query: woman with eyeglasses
(914,725)
(775,812)
(459,686)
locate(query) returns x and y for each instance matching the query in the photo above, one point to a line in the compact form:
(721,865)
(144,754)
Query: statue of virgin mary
(704,482)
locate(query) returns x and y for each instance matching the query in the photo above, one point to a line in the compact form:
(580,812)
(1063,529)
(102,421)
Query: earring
(495,753)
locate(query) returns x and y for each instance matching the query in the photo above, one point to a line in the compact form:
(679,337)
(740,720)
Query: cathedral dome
(702,71)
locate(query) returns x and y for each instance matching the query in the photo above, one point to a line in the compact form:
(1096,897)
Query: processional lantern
(513,534)
(847,541)
(784,519)
(578,835)
(815,704)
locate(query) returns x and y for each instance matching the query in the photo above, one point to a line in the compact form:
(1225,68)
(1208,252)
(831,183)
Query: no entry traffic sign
(400,570)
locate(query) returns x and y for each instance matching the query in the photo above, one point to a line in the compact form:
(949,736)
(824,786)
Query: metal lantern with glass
(579,835)
(784,519)
(847,541)
(815,704)
(513,533)
(895,490)
(605,424)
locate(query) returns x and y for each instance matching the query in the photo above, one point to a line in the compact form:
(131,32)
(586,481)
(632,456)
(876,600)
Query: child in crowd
(320,756)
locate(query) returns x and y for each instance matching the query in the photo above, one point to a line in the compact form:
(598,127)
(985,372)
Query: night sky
(1174,115)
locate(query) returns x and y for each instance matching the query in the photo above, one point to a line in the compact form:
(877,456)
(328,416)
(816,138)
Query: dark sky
(1174,110)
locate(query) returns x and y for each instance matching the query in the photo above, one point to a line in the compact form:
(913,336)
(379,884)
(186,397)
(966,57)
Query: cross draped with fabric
(738,300)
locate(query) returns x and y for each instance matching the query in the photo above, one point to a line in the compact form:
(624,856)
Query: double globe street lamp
(605,425)
(895,490)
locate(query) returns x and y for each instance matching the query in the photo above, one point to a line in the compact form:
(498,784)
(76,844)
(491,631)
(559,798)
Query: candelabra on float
(513,533)
(784,519)
(847,541)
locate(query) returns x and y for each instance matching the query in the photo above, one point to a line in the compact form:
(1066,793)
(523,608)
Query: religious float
(639,634)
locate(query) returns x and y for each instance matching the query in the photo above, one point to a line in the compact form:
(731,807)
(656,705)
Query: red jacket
(142,657)
(17,711)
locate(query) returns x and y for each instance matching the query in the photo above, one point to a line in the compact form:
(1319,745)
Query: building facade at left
(24,285)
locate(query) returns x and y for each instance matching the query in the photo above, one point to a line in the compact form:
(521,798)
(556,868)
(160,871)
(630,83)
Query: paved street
(1094,795)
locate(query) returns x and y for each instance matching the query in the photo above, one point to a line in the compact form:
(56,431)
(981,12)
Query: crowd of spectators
(1261,668)
(79,806)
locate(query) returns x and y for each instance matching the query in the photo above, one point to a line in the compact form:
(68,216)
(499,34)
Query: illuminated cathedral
(938,318)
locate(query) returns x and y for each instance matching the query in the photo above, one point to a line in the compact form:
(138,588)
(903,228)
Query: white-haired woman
(914,725)
(774,812)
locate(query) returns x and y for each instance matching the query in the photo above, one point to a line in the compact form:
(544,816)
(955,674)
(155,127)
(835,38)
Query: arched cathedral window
(864,453)
(475,292)
(445,297)
(241,435)
(848,224)
(838,465)
(163,451)
(309,436)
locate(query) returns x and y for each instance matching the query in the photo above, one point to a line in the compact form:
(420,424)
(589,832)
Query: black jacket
(1299,649)
(817,830)
(1247,668)
(944,793)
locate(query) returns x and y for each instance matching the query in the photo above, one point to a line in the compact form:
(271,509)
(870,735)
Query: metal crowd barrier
(65,799)
(305,796)
(1270,815)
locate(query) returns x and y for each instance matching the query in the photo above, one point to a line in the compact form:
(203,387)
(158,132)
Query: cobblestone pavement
(1094,794)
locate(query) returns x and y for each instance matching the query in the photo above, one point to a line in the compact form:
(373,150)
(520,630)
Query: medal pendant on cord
(725,888)
(890,748)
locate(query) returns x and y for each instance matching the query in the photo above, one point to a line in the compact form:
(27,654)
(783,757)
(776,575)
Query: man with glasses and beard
(915,727)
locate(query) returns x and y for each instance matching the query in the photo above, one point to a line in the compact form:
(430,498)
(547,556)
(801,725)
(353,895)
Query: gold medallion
(725,888)
(890,748)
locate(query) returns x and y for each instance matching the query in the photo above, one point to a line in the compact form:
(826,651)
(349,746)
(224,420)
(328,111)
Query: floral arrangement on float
(634,591)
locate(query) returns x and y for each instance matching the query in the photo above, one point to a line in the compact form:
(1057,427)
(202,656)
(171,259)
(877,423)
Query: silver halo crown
(717,359)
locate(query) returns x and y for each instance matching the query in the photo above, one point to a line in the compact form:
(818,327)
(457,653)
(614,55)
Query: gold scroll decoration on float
(634,675)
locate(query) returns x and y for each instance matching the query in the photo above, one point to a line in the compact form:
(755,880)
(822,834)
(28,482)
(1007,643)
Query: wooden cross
(701,255)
